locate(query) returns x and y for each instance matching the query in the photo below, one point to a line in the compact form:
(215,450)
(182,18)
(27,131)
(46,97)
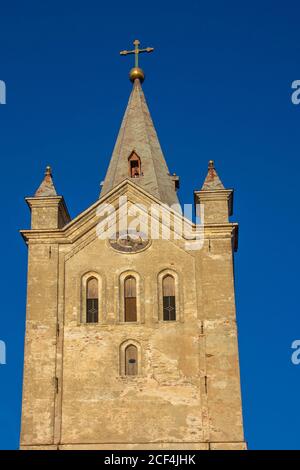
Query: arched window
(169,302)
(92,300)
(134,162)
(130,299)
(131,360)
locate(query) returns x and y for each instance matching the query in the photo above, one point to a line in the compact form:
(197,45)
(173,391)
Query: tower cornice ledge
(226,230)
(45,236)
(60,236)
(215,195)
(50,201)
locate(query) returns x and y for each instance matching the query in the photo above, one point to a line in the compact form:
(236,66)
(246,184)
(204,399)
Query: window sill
(129,378)
(99,324)
(166,322)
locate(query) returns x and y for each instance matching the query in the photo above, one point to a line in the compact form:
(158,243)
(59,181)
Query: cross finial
(136,72)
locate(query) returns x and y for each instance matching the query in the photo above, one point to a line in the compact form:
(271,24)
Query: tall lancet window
(130,299)
(131,360)
(134,162)
(169,301)
(92,300)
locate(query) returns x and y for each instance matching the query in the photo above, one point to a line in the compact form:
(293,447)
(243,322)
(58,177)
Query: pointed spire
(47,188)
(212,181)
(138,136)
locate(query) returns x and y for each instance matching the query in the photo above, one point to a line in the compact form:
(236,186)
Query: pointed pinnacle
(47,188)
(212,180)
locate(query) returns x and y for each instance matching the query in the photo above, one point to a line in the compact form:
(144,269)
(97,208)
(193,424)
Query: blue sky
(219,87)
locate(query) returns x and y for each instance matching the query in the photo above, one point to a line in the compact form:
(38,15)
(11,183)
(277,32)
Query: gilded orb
(136,72)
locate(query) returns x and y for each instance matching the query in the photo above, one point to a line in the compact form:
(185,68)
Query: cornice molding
(81,225)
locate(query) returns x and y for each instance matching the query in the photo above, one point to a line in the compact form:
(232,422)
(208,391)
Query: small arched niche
(130,358)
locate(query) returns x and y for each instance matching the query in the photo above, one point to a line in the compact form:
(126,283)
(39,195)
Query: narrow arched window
(169,301)
(92,300)
(131,360)
(134,162)
(130,299)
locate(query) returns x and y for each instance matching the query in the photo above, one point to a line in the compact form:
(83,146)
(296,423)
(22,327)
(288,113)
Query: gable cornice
(87,220)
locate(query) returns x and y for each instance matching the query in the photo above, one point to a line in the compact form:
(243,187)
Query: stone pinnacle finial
(212,181)
(47,188)
(48,171)
(136,72)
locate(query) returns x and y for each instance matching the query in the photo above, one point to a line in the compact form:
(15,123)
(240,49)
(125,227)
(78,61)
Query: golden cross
(137,51)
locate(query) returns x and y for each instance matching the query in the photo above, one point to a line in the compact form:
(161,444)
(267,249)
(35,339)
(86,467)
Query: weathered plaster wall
(164,402)
(40,346)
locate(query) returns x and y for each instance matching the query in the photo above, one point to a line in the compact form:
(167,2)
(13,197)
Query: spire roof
(47,188)
(212,181)
(137,136)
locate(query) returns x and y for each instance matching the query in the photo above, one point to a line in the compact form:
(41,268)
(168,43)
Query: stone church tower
(131,338)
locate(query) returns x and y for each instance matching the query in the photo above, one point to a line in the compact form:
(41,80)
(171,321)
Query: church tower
(131,336)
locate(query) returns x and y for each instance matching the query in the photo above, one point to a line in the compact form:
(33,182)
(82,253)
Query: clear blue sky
(218,86)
